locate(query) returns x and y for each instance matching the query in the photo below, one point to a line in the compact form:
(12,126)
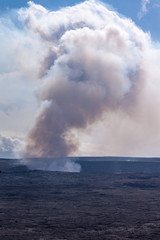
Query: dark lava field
(45,205)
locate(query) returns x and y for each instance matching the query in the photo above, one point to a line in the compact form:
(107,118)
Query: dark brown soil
(64,206)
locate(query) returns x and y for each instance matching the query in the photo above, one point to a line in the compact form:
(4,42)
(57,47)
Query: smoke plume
(50,164)
(98,80)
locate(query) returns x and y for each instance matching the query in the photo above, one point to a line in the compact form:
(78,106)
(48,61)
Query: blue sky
(129,8)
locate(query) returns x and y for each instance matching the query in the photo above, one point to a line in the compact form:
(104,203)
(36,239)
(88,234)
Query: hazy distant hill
(89,164)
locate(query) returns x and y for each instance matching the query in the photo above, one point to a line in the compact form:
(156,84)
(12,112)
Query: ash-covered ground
(45,205)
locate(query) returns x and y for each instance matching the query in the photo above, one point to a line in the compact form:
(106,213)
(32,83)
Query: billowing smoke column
(96,65)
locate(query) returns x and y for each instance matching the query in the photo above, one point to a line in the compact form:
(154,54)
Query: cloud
(98,68)
(144,8)
(10,147)
(147,6)
(144,5)
(20,61)
(94,75)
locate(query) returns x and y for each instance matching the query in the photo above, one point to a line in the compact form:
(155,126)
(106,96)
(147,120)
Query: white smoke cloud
(95,66)
(58,165)
(96,80)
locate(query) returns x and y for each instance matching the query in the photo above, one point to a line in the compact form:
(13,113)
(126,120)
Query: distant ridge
(113,158)
(95,158)
(98,165)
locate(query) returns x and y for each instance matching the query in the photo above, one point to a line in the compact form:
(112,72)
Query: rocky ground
(64,206)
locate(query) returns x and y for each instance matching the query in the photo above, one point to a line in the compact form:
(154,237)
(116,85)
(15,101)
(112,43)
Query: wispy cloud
(144,8)
(156,5)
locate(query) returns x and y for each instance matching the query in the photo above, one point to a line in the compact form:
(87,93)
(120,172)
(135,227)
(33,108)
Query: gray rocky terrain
(45,205)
